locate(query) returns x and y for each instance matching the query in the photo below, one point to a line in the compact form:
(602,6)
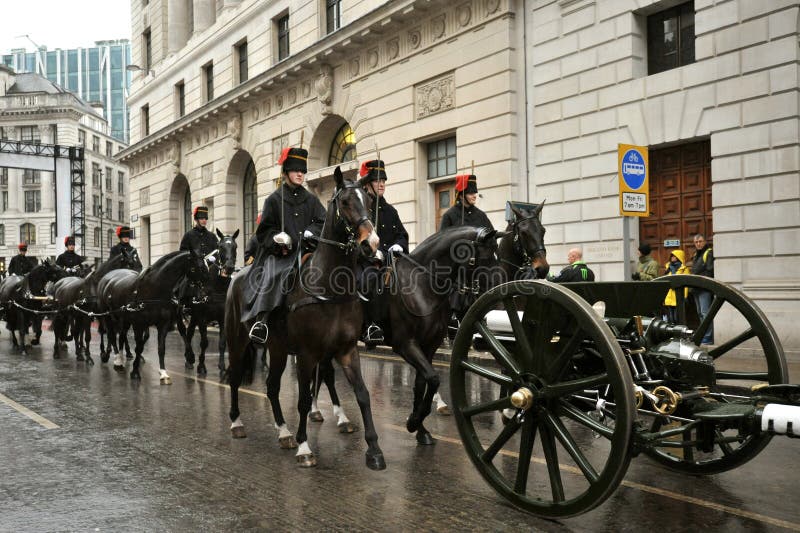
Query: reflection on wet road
(131,456)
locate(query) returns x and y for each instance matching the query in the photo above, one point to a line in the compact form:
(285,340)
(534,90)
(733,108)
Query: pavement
(84,448)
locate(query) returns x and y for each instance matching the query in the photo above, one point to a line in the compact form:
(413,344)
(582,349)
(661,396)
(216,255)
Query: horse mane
(432,243)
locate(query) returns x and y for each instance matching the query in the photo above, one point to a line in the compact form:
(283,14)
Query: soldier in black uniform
(21,264)
(465,212)
(124,235)
(200,240)
(290,213)
(69,259)
(394,239)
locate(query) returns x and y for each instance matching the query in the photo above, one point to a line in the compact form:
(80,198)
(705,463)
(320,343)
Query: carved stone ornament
(235,128)
(255,113)
(279,102)
(414,38)
(306,89)
(492,6)
(175,157)
(267,108)
(435,96)
(464,14)
(438,27)
(372,58)
(292,96)
(393,48)
(355,66)
(324,88)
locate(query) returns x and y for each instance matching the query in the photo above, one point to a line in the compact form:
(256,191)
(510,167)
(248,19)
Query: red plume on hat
(284,155)
(22,246)
(258,219)
(364,169)
(461,182)
(118,230)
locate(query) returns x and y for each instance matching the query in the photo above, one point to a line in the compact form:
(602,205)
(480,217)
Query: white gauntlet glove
(283,239)
(395,248)
(307,234)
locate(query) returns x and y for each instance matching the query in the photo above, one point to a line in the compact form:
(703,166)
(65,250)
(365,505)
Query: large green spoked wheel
(751,355)
(546,458)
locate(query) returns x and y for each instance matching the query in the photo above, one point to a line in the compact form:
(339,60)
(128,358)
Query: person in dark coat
(575,271)
(465,212)
(124,235)
(69,259)
(21,264)
(199,238)
(393,239)
(703,265)
(290,214)
(252,245)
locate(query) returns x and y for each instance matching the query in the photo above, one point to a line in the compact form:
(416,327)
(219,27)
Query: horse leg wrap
(237,429)
(164,377)
(285,437)
(344,424)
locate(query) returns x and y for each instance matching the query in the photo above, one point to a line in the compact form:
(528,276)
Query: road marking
(645,488)
(567,468)
(398,359)
(39,419)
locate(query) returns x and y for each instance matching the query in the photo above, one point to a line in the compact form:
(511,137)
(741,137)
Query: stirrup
(259,332)
(374,333)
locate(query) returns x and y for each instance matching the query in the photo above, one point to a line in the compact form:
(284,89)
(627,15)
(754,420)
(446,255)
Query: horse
(118,339)
(208,304)
(322,318)
(76,298)
(20,299)
(521,252)
(144,299)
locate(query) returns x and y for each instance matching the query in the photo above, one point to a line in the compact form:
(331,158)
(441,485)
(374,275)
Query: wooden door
(444,195)
(680,198)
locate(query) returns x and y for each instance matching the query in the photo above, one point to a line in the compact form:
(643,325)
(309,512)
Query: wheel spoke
(680,305)
(572,448)
(551,458)
(569,410)
(525,452)
(545,319)
(485,407)
(727,346)
(501,440)
(724,446)
(522,342)
(576,385)
(560,362)
(500,379)
(499,351)
(701,330)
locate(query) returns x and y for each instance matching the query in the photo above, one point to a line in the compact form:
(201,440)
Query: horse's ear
(219,234)
(538,211)
(235,234)
(517,212)
(339,177)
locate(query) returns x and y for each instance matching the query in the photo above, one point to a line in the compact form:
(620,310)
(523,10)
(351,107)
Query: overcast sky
(62,23)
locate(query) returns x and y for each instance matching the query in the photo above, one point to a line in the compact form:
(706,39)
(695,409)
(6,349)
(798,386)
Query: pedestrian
(675,265)
(290,214)
(703,265)
(68,260)
(21,264)
(465,212)
(647,267)
(577,270)
(393,239)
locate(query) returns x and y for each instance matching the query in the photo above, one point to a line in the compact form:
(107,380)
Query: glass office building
(96,74)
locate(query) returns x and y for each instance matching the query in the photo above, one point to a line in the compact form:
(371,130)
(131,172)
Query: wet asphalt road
(130,456)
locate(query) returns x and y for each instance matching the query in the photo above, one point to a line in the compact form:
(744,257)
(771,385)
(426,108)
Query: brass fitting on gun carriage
(668,399)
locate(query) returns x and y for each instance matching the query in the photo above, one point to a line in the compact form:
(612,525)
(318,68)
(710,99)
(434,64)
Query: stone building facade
(35,110)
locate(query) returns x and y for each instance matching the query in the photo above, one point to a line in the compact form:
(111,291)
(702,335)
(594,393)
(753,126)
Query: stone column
(205,14)
(178,25)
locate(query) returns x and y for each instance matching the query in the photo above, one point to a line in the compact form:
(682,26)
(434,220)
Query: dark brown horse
(521,252)
(322,318)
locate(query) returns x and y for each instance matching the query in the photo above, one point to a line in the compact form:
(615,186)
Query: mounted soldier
(393,239)
(199,238)
(68,260)
(465,212)
(290,214)
(21,264)
(124,245)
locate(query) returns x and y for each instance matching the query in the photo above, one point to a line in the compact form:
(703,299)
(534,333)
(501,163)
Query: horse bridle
(351,243)
(527,261)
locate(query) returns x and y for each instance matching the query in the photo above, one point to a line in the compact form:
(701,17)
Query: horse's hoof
(135,374)
(306,461)
(346,427)
(79,356)
(188,366)
(316,416)
(238,432)
(376,461)
(89,360)
(104,357)
(426,439)
(287,443)
(121,368)
(413,424)
(166,380)
(56,355)
(444,410)
(23,352)
(35,342)
(221,367)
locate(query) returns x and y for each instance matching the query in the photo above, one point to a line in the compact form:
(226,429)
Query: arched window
(250,201)
(27,233)
(110,238)
(187,210)
(343,147)
(97,236)
(2,234)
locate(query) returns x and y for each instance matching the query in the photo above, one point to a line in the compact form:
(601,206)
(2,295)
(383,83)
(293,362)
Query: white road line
(39,419)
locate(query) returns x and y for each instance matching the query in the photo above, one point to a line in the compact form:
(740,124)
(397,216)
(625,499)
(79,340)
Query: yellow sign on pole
(634,180)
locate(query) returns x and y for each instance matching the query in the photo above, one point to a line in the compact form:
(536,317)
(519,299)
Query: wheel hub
(522,398)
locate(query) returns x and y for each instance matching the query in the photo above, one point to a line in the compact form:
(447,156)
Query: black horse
(76,301)
(322,319)
(208,304)
(21,299)
(521,252)
(143,300)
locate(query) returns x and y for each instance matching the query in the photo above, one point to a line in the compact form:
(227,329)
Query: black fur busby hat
(22,247)
(372,170)
(467,184)
(200,211)
(69,241)
(294,159)
(123,231)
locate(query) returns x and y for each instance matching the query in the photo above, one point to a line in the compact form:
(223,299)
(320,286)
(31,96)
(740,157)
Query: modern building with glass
(95,74)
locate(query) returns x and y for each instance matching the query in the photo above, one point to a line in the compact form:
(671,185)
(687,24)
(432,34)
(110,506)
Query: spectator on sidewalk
(675,265)
(647,267)
(576,270)
(703,265)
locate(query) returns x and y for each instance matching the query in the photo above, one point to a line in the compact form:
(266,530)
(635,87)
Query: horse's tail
(248,366)
(242,357)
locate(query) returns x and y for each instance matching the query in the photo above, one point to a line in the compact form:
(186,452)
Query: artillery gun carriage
(582,377)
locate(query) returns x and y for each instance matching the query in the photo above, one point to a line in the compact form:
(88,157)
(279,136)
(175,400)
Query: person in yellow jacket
(676,265)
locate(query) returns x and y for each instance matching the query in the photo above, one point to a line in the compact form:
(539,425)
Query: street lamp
(137,68)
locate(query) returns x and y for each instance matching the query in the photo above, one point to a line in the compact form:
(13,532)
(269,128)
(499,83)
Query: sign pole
(626,248)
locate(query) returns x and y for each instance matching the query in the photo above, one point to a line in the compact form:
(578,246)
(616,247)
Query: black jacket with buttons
(21,264)
(69,259)
(472,217)
(301,211)
(390,228)
(199,239)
